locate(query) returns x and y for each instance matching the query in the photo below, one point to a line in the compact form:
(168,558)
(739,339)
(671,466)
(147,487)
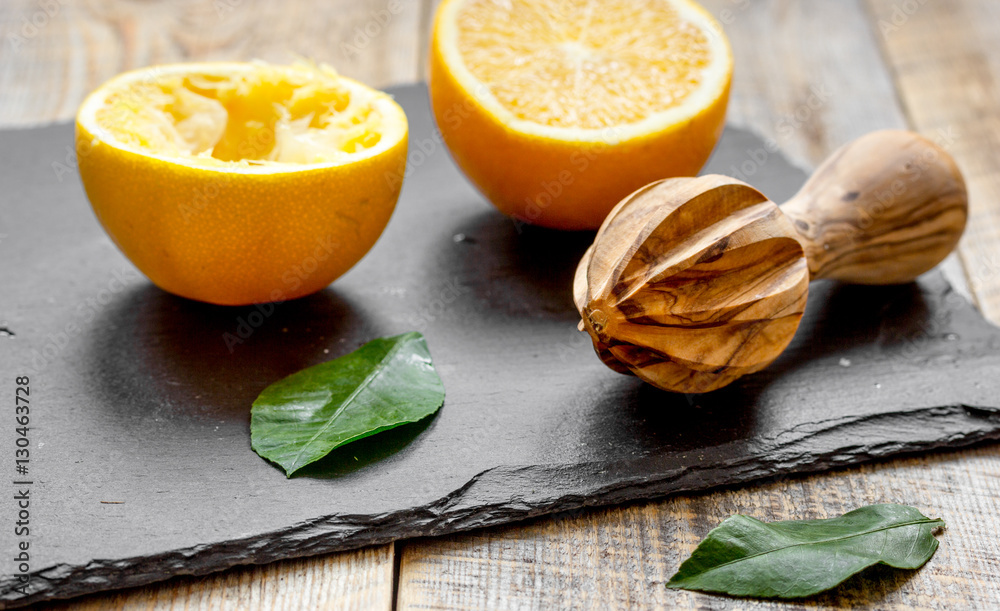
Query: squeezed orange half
(239,183)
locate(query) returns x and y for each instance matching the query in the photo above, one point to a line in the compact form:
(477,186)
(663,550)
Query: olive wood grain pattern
(694,282)
(881,210)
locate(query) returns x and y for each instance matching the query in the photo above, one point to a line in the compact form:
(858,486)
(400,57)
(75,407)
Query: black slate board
(137,400)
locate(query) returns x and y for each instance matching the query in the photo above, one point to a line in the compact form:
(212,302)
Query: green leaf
(381,385)
(796,558)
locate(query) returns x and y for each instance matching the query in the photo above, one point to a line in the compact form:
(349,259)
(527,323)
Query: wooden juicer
(694,282)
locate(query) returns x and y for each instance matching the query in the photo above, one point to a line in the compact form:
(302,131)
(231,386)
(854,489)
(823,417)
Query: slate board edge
(448,514)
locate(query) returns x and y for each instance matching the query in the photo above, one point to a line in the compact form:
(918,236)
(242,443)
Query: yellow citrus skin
(238,235)
(560,183)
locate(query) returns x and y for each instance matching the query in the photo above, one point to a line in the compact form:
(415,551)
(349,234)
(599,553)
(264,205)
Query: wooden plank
(621,558)
(361,580)
(54,52)
(810,76)
(946,57)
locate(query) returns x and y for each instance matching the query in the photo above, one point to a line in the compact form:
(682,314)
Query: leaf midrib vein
(860,534)
(346,402)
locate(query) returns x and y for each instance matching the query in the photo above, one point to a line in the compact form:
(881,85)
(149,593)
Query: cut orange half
(557,109)
(239,183)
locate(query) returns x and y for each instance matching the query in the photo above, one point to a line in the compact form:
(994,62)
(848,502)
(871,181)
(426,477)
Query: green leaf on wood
(797,558)
(386,383)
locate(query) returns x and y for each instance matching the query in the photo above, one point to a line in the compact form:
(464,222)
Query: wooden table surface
(812,74)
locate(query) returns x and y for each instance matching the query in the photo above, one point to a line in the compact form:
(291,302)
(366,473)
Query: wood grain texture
(621,558)
(54,52)
(810,76)
(360,580)
(883,209)
(945,57)
(692,283)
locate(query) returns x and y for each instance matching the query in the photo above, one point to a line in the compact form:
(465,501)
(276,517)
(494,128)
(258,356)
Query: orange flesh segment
(596,64)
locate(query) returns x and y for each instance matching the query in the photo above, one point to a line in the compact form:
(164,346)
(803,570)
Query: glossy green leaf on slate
(385,383)
(796,558)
